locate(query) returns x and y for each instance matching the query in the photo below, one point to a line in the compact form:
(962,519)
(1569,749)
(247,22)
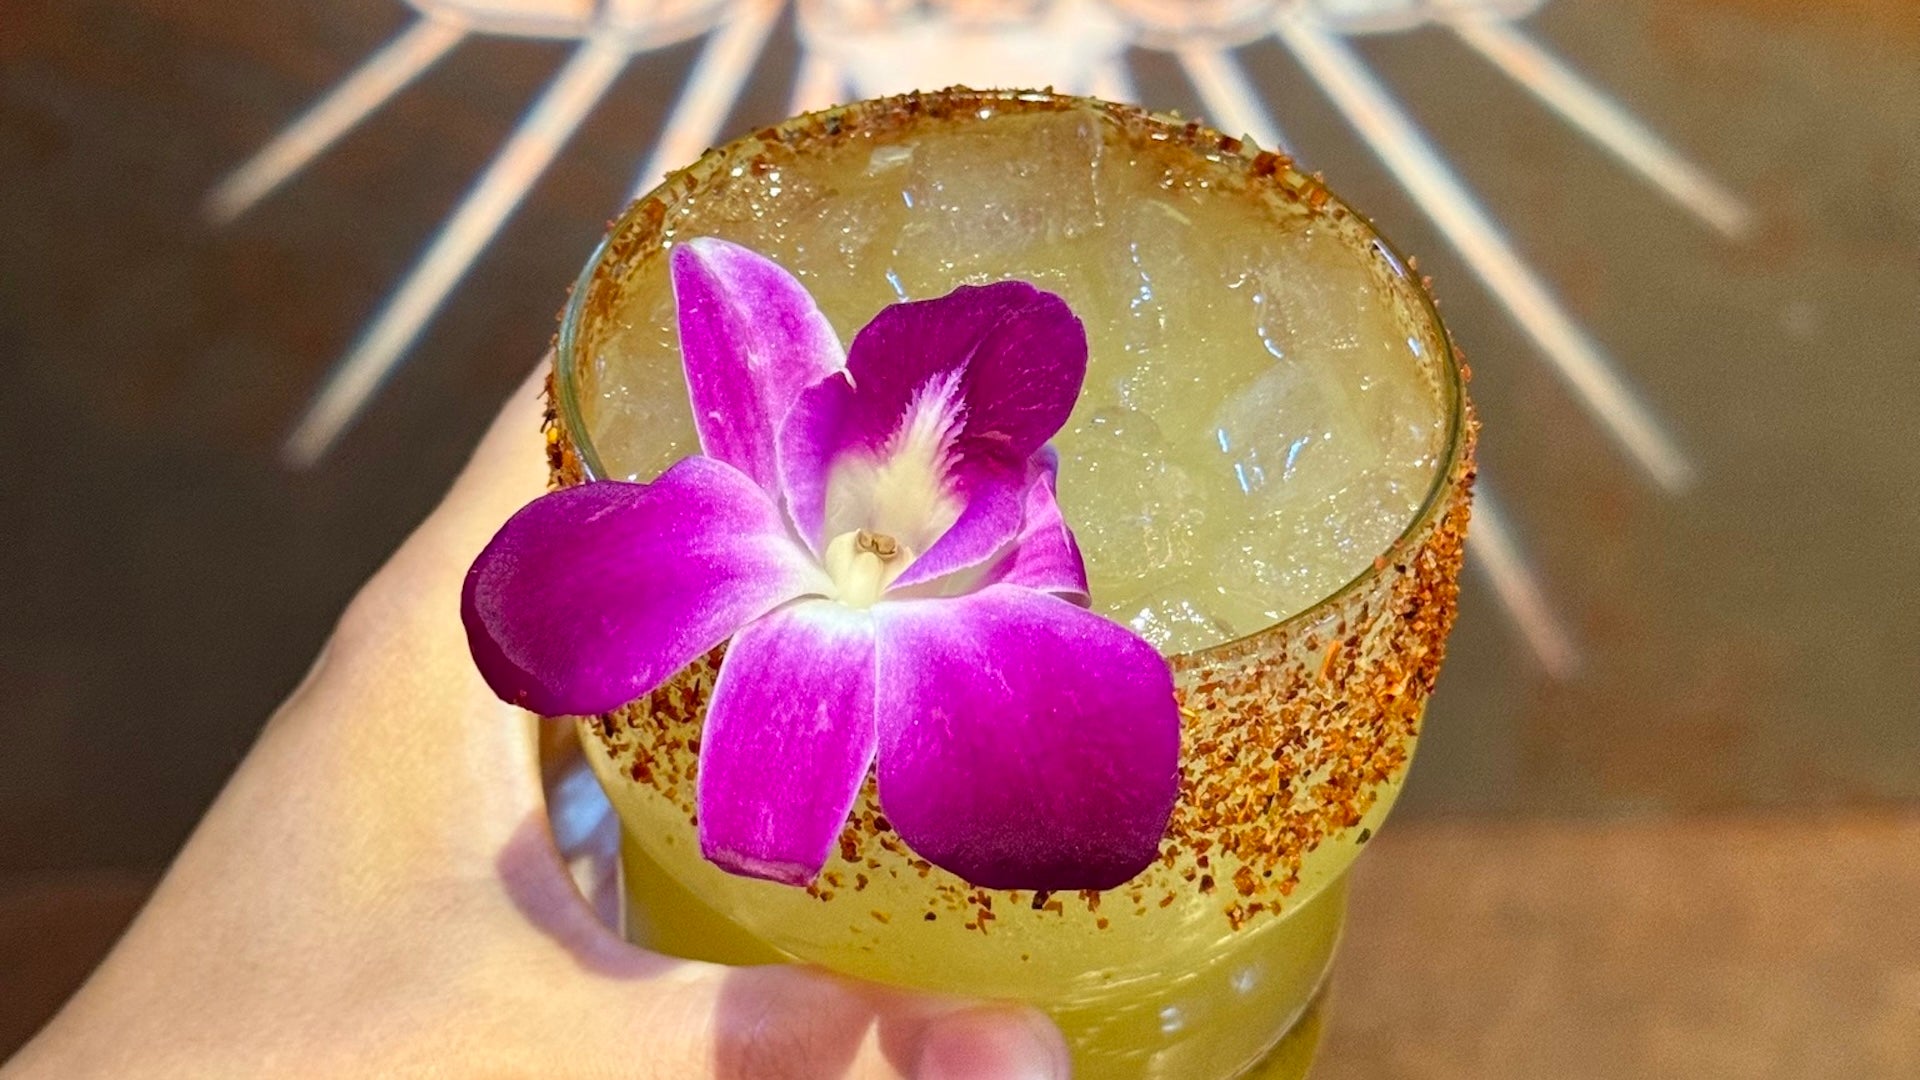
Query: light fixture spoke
(1414,162)
(486,207)
(340,110)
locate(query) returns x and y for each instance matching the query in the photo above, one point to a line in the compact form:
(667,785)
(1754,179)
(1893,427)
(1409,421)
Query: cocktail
(1267,470)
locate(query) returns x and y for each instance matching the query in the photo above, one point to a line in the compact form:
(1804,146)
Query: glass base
(1259,1001)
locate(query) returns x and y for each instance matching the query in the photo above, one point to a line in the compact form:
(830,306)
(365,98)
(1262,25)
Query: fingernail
(993,1043)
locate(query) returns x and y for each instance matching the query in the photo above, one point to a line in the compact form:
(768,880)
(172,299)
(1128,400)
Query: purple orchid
(875,534)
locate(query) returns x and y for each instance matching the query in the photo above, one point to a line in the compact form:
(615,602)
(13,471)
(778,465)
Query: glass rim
(1261,167)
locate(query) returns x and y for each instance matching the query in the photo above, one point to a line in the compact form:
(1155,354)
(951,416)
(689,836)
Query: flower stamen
(878,543)
(862,563)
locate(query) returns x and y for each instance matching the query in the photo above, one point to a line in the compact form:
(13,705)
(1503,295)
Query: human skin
(376,892)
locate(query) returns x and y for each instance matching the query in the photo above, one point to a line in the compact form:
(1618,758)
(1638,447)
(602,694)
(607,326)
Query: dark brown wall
(1749,645)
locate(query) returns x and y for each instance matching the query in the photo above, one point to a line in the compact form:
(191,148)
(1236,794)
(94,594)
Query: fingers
(992,1041)
(653,1015)
(564,980)
(696,1021)
(795,1022)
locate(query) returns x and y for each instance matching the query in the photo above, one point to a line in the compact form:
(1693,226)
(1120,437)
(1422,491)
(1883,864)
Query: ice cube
(1317,311)
(639,418)
(1288,436)
(1298,552)
(1171,620)
(1134,511)
(1174,305)
(976,197)
(1193,613)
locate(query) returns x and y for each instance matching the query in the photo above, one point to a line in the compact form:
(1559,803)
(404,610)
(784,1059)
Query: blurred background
(267,269)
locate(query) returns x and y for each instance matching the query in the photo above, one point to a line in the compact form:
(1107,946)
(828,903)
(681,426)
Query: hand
(377,893)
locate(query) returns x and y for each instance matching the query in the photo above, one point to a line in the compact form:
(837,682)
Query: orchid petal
(594,595)
(789,736)
(936,392)
(751,340)
(994,507)
(1020,354)
(1009,533)
(1045,555)
(809,440)
(1024,742)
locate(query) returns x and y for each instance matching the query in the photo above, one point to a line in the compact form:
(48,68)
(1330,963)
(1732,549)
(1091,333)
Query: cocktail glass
(1300,710)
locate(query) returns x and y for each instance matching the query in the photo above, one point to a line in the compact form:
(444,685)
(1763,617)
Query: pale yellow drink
(1271,412)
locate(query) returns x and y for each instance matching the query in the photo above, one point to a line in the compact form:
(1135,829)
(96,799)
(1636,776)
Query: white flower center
(862,564)
(901,490)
